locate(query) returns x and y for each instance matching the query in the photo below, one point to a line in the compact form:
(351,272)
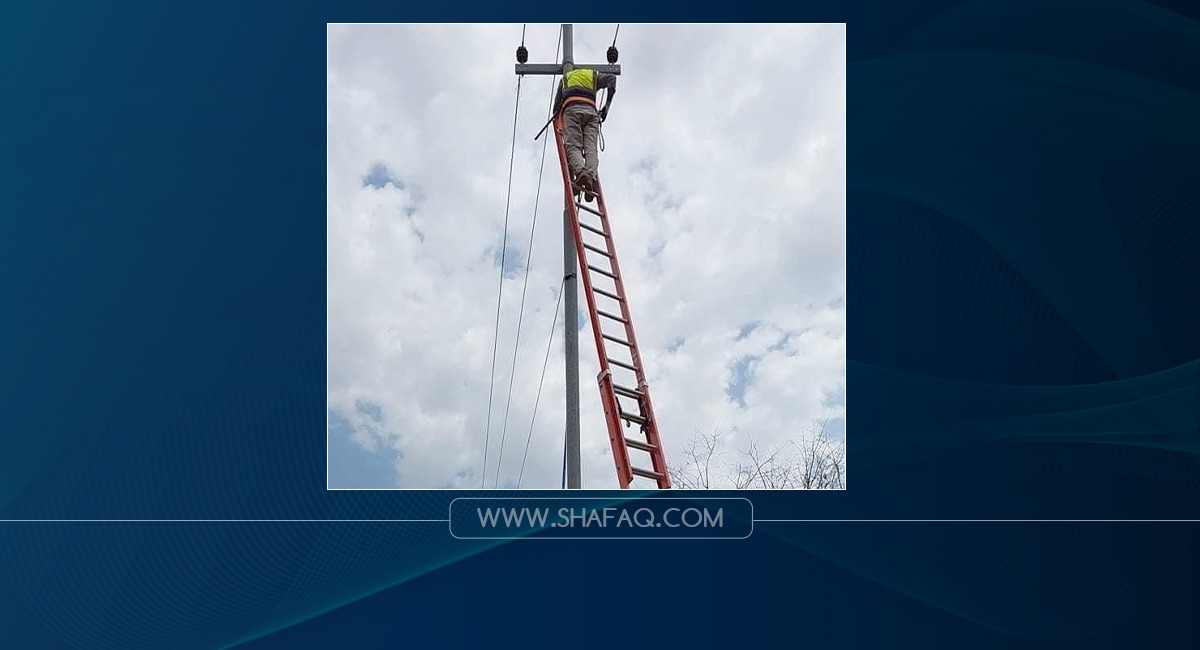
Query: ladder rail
(616,438)
(652,435)
(613,412)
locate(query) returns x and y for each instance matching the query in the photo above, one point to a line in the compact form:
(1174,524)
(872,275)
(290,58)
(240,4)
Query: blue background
(1024,344)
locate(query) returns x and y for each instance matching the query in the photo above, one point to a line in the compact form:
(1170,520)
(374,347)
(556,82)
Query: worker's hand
(604,113)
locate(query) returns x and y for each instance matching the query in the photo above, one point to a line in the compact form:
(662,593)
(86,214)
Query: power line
(615,32)
(545,362)
(528,261)
(500,294)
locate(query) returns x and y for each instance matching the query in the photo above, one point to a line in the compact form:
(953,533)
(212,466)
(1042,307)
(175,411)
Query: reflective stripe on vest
(579,85)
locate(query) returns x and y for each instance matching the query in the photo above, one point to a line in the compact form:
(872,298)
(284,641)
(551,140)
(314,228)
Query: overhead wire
(525,285)
(500,294)
(538,399)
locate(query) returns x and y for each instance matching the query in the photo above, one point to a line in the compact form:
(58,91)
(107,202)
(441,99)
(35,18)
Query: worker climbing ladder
(623,390)
(588,240)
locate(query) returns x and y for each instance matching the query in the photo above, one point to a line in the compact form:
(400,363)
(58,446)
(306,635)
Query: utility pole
(570,263)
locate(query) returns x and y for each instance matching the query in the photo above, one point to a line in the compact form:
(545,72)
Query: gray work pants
(581,130)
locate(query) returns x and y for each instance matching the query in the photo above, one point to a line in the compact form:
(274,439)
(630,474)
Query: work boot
(589,188)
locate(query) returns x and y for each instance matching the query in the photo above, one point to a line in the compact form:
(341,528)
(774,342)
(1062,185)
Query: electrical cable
(545,362)
(525,286)
(500,294)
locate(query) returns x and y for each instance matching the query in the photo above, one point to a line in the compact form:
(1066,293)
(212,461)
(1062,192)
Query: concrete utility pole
(570,291)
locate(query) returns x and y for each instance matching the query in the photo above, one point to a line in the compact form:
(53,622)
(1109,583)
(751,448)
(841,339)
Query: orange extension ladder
(628,400)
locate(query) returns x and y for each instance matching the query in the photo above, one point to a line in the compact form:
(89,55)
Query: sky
(724,172)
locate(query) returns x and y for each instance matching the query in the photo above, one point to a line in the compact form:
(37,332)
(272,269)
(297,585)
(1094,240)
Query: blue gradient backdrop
(1024,344)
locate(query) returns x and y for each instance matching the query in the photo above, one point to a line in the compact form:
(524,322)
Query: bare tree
(812,461)
(700,455)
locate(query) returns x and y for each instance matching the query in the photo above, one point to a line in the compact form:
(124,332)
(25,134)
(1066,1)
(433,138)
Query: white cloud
(725,178)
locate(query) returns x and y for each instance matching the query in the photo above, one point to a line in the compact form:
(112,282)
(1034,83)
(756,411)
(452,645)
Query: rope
(528,260)
(614,44)
(503,250)
(545,361)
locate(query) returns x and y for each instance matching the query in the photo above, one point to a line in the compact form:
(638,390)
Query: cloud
(724,172)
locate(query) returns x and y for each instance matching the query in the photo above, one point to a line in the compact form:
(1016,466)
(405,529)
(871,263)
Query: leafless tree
(812,461)
(701,455)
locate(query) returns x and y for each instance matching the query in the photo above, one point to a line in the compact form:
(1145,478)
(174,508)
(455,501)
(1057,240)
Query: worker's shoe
(589,188)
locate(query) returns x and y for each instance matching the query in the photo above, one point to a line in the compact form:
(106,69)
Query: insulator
(522,54)
(612,53)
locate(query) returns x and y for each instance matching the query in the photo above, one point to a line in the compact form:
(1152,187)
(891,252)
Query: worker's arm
(608,82)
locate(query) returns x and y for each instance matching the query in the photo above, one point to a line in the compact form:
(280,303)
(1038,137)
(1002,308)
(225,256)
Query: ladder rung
(617,340)
(595,230)
(638,444)
(646,473)
(627,392)
(636,419)
(605,293)
(597,250)
(592,210)
(612,316)
(602,271)
(622,364)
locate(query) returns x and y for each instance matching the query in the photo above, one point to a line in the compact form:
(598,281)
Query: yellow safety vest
(579,86)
